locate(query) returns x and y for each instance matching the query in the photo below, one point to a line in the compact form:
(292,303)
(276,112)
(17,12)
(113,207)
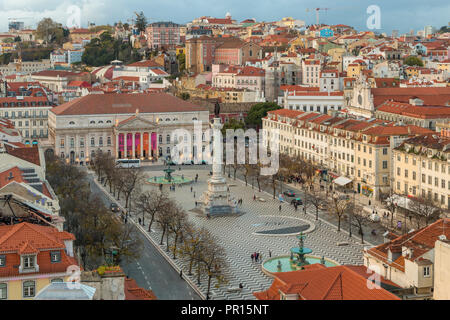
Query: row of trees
(100,239)
(183,239)
(296,169)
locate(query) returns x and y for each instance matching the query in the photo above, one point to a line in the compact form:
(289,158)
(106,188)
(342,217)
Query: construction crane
(317,12)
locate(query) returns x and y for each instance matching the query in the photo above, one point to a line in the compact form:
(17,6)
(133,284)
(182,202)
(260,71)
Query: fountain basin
(270,266)
(177,180)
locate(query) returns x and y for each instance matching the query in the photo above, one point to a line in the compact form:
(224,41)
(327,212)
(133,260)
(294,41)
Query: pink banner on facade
(154,140)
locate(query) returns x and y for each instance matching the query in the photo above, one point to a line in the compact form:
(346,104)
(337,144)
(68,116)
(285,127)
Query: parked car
(297,201)
(289,193)
(114,207)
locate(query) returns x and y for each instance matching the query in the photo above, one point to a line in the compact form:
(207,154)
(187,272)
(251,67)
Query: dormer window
(28,262)
(55,256)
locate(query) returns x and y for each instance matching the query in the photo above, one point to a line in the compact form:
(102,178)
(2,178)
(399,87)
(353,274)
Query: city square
(238,233)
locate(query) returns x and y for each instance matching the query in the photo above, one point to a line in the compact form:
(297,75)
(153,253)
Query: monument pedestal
(217,200)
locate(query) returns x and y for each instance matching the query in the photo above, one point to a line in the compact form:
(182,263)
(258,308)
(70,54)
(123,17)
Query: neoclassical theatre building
(133,126)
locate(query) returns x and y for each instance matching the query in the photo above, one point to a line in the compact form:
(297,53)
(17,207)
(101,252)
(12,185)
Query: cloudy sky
(402,15)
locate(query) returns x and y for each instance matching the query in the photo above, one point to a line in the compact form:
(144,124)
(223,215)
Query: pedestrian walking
(181,274)
(279,208)
(194,194)
(139,220)
(252,257)
(257,256)
(191,188)
(196,204)
(254,197)
(270,254)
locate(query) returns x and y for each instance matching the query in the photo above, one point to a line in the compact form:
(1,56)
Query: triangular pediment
(136,122)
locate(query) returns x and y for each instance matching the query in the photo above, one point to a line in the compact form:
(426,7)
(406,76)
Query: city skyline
(352,13)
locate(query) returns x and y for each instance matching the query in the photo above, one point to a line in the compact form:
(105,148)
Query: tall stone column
(133,145)
(141,141)
(125,145)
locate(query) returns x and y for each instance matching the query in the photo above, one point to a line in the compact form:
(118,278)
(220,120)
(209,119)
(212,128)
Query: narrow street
(151,270)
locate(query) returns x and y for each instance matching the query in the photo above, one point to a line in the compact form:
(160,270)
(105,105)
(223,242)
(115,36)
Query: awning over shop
(342,181)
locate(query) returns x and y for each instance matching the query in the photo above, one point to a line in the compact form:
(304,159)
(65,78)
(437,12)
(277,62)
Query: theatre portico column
(149,145)
(141,138)
(125,144)
(117,145)
(133,145)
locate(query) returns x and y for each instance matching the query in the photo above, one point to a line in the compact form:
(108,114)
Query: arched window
(168,150)
(92,141)
(160,138)
(71,122)
(108,121)
(194,118)
(92,122)
(100,141)
(168,138)
(100,121)
(109,141)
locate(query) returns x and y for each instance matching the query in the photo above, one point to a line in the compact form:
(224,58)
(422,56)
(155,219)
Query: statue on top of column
(217,109)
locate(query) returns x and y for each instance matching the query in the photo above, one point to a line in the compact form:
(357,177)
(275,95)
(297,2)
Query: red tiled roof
(145,63)
(286,113)
(332,283)
(5,176)
(420,241)
(82,84)
(159,71)
(291,87)
(396,130)
(122,103)
(26,238)
(133,292)
(423,112)
(27,154)
(127,78)
(429,95)
(55,73)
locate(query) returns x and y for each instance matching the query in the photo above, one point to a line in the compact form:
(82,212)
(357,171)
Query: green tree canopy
(101,51)
(413,61)
(141,22)
(51,31)
(181,62)
(444,29)
(232,124)
(259,111)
